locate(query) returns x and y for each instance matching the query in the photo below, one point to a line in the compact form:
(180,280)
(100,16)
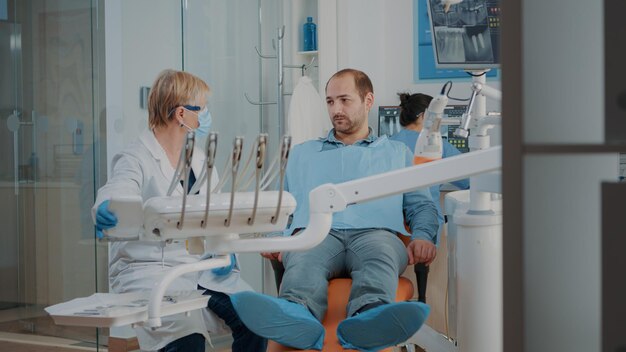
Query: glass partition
(48,113)
(219,41)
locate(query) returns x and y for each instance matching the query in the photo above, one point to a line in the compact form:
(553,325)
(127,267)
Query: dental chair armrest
(421,280)
(279,271)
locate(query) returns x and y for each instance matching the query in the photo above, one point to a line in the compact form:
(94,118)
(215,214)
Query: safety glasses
(194,108)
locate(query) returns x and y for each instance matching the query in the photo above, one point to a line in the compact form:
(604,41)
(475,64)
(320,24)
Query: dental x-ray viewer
(362,242)
(177,105)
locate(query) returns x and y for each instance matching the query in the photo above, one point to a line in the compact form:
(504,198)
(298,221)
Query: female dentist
(412,109)
(177,104)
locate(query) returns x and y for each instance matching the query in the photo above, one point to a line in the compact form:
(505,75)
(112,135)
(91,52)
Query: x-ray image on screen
(467,35)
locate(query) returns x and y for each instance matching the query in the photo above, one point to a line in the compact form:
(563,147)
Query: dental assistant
(177,104)
(412,110)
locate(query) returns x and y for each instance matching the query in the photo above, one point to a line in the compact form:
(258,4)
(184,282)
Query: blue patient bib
(311,166)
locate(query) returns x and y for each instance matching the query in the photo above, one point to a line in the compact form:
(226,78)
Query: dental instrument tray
(173,217)
(159,217)
(112,309)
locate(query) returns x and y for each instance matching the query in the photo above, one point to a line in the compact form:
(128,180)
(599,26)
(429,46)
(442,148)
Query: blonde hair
(170,90)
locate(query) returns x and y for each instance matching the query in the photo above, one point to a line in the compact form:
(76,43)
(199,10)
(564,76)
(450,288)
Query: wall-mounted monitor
(467,35)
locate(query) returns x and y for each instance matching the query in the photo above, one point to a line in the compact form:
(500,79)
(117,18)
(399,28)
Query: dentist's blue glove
(105,219)
(225,270)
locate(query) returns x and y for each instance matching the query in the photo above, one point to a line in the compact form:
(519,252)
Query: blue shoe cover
(383,326)
(277,319)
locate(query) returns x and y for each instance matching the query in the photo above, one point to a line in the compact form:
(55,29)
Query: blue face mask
(204,118)
(204,121)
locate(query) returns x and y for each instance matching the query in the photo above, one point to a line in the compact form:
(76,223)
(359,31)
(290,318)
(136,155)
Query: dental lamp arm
(320,220)
(487,91)
(478,88)
(331,198)
(411,178)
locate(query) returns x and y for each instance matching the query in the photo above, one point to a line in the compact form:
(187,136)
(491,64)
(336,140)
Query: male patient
(362,243)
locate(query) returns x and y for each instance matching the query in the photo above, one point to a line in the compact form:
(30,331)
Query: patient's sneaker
(277,319)
(384,326)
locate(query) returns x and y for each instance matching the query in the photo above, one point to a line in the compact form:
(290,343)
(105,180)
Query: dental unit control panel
(452,120)
(389,124)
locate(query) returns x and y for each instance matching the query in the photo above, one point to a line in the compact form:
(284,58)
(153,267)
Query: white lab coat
(144,169)
(308,117)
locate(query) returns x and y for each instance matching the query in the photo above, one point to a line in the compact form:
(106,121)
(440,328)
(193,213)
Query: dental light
(429,145)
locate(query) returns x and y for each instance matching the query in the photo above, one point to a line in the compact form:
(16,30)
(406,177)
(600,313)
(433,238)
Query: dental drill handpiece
(188,148)
(260,158)
(463,130)
(284,157)
(236,158)
(210,162)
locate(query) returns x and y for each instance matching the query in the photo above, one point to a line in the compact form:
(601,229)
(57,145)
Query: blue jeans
(243,339)
(373,258)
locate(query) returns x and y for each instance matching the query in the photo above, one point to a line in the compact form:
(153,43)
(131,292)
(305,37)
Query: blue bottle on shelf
(310,35)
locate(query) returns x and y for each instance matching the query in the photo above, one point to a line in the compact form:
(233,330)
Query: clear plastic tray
(112,309)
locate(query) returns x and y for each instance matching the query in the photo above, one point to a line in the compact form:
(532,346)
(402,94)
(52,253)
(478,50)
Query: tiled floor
(29,342)
(20,347)
(29,328)
(25,343)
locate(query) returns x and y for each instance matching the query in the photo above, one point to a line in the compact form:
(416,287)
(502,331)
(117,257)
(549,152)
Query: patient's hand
(273,256)
(421,251)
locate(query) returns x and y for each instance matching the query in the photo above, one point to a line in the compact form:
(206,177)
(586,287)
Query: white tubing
(156,297)
(314,234)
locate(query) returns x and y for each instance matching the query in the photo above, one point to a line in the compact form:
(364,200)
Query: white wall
(220,37)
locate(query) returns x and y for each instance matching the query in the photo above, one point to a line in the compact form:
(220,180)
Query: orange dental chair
(338,294)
